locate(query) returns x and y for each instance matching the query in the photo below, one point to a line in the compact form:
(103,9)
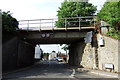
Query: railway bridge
(76,31)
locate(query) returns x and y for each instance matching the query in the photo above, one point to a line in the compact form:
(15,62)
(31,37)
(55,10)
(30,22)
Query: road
(50,69)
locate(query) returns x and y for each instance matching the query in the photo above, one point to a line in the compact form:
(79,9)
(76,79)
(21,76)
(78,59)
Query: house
(38,52)
(52,55)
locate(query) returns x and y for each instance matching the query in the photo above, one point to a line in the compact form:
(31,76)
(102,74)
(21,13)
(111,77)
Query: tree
(9,23)
(9,26)
(46,54)
(74,9)
(111,14)
(65,47)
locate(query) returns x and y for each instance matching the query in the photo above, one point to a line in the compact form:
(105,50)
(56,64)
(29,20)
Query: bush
(9,23)
(114,33)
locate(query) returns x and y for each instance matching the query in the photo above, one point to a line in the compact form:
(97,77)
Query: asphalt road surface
(50,69)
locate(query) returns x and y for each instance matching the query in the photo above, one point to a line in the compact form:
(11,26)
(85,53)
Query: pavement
(99,72)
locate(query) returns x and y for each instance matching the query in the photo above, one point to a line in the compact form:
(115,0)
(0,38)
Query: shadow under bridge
(56,37)
(37,32)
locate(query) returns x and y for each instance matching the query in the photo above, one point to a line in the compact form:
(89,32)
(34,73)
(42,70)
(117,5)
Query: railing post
(28,25)
(52,25)
(94,21)
(40,25)
(79,24)
(65,24)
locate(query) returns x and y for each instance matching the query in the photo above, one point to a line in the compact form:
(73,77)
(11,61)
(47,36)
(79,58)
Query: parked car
(60,59)
(55,58)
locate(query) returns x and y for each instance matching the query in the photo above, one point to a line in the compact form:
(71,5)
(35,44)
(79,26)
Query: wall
(83,54)
(91,55)
(16,53)
(25,54)
(75,53)
(108,53)
(9,54)
(88,58)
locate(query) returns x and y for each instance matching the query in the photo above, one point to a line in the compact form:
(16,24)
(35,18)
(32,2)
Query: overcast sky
(37,9)
(52,47)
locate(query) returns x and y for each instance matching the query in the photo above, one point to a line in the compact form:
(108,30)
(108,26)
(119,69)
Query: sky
(52,47)
(38,9)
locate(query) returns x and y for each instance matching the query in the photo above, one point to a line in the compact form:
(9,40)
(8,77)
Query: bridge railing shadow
(52,24)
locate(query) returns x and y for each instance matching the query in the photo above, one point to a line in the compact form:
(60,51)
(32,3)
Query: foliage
(9,23)
(53,51)
(74,9)
(111,14)
(65,47)
(114,33)
(46,54)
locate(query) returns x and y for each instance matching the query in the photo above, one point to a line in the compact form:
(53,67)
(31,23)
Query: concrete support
(9,54)
(84,54)
(16,53)
(76,51)
(25,54)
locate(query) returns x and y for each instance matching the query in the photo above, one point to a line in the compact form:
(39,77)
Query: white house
(38,52)
(52,55)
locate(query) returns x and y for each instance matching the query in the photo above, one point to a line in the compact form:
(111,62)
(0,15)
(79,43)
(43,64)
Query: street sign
(88,38)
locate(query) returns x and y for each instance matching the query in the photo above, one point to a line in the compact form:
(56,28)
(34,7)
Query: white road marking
(73,74)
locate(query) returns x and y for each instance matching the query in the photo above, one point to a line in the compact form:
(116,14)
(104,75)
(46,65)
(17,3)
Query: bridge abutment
(76,51)
(83,54)
(25,54)
(16,53)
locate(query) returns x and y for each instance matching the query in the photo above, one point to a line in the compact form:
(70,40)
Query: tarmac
(91,71)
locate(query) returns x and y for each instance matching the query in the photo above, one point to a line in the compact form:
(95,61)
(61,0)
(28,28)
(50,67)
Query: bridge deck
(57,29)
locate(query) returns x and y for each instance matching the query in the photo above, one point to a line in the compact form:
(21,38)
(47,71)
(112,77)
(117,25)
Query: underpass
(74,36)
(67,35)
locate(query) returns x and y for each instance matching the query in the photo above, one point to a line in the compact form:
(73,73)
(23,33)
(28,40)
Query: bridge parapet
(72,23)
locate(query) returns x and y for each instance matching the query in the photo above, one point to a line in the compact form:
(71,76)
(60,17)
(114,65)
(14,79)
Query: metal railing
(63,23)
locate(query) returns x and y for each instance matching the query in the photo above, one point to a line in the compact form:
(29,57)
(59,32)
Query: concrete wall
(75,53)
(9,54)
(25,54)
(108,53)
(16,53)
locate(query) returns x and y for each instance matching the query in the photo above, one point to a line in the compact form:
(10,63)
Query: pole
(79,24)
(65,24)
(28,25)
(40,26)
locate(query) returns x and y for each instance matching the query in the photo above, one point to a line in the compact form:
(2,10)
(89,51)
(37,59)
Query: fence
(61,23)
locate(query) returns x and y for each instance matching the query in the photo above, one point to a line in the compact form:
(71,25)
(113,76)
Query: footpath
(98,72)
